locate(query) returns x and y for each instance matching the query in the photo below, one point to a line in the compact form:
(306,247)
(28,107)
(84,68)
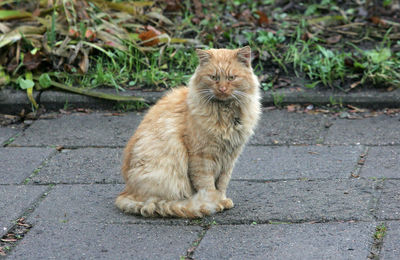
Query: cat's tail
(202,204)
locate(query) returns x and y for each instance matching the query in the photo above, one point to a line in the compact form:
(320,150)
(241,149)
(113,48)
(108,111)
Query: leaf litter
(62,39)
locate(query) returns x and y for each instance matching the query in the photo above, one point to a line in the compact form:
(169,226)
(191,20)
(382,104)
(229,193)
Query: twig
(348,25)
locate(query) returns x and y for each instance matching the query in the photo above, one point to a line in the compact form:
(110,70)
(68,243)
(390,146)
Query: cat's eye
(231,78)
(214,77)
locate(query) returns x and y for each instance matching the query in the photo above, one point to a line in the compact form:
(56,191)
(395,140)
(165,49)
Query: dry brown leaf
(4,28)
(32,61)
(24,224)
(90,35)
(356,109)
(334,39)
(306,36)
(173,5)
(9,240)
(377,20)
(355,84)
(246,15)
(73,33)
(263,20)
(151,33)
(84,63)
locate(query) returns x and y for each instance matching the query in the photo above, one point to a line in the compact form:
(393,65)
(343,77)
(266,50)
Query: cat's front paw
(227,203)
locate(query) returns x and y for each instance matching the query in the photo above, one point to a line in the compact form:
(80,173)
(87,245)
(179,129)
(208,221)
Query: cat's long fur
(180,159)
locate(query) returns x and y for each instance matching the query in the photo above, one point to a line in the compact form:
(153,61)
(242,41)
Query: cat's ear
(244,56)
(204,56)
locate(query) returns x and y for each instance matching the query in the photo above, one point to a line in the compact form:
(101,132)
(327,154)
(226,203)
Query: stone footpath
(306,187)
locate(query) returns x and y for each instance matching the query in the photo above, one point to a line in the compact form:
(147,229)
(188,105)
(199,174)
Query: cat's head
(224,74)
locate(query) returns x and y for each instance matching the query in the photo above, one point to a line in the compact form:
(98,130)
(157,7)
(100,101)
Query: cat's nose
(223,89)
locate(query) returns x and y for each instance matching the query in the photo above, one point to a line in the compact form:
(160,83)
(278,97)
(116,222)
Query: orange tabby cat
(179,161)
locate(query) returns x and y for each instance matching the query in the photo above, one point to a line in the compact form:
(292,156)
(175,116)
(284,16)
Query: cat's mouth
(222,97)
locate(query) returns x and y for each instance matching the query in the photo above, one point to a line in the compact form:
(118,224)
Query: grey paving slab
(298,201)
(382,129)
(282,127)
(18,163)
(85,165)
(295,241)
(105,241)
(389,202)
(77,130)
(92,203)
(15,200)
(6,133)
(391,249)
(296,162)
(382,161)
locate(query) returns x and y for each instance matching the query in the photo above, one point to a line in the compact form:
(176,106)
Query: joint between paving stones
(378,240)
(355,173)
(192,249)
(285,180)
(289,222)
(39,168)
(10,140)
(283,221)
(376,197)
(22,228)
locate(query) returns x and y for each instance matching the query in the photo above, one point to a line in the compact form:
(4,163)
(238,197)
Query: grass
(150,45)
(380,232)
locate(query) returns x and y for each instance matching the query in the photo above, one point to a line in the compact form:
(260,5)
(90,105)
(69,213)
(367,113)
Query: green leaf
(360,65)
(387,3)
(312,85)
(25,83)
(28,84)
(311,9)
(379,56)
(13,14)
(4,77)
(45,80)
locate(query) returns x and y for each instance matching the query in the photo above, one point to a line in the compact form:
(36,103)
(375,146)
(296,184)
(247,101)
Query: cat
(180,159)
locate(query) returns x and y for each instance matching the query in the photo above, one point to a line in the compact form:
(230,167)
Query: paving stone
(86,165)
(89,204)
(283,241)
(296,162)
(79,130)
(282,127)
(389,202)
(14,201)
(379,130)
(19,163)
(105,241)
(6,133)
(382,161)
(298,201)
(390,249)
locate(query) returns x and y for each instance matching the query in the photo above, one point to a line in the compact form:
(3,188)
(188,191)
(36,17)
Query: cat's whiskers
(206,95)
(237,99)
(241,94)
